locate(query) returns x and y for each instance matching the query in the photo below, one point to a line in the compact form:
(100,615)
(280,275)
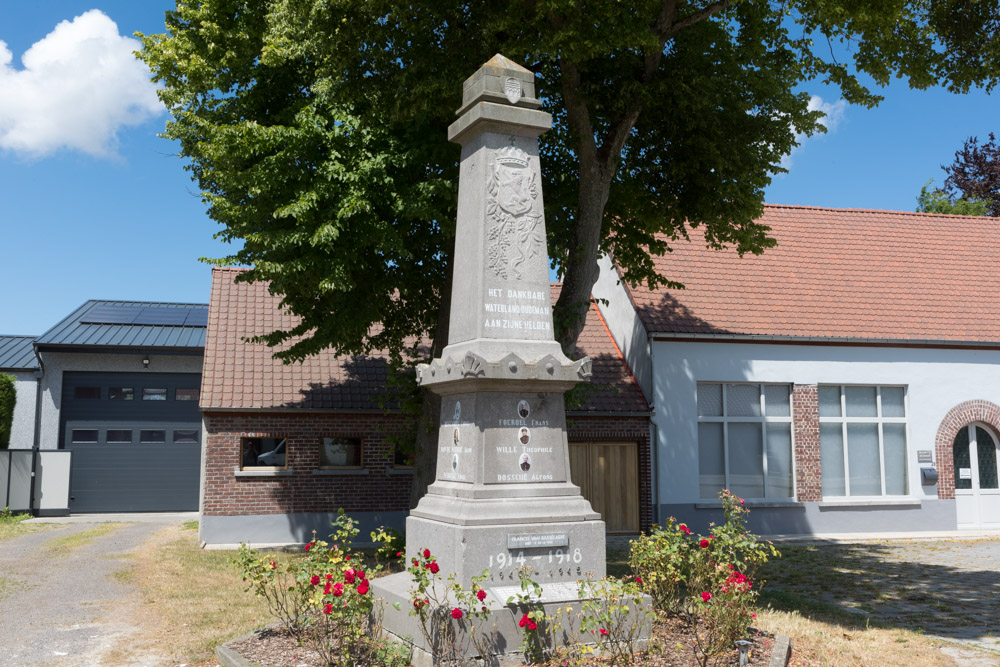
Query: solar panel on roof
(198,317)
(110,314)
(162,315)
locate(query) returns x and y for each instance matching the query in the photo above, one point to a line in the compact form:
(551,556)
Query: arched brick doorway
(958,417)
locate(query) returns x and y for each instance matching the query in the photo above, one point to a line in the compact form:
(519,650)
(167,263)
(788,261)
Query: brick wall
(808,473)
(227,495)
(960,415)
(302,491)
(620,429)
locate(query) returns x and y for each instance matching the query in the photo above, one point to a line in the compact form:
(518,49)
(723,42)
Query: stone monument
(502,497)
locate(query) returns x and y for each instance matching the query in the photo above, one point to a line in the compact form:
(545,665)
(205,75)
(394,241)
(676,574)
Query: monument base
(557,551)
(561,602)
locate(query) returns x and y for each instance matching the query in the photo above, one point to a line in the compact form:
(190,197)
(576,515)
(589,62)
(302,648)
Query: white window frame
(763,420)
(879,420)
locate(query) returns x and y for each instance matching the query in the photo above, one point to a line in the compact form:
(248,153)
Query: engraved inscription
(515,234)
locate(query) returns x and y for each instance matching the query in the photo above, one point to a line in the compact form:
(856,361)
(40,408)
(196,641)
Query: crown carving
(512,156)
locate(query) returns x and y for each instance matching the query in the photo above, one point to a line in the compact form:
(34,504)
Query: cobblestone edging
(781,653)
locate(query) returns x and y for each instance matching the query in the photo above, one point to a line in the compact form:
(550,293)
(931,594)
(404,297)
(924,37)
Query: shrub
(450,616)
(324,600)
(662,560)
(8,398)
(612,613)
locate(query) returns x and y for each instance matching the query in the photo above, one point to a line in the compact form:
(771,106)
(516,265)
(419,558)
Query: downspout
(37,440)
(654,434)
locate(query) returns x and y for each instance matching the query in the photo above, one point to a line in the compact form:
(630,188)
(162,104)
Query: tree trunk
(425,445)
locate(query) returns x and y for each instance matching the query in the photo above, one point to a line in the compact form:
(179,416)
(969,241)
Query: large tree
(316,131)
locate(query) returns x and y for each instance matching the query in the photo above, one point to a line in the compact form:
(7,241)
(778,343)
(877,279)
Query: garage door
(135,438)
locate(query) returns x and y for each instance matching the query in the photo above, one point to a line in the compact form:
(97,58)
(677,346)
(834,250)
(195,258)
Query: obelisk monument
(503,498)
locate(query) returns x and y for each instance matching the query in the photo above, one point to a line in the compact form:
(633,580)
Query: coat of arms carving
(514,233)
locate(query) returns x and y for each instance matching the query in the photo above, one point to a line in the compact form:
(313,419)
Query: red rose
(638,580)
(315,580)
(604,632)
(399,554)
(524,621)
(427,553)
(329,577)
(532,625)
(706,596)
(435,568)
(418,603)
(703,544)
(456,613)
(481,594)
(274,565)
(338,590)
(310,546)
(326,591)
(328,609)
(684,529)
(349,575)
(363,588)
(347,558)
(361,575)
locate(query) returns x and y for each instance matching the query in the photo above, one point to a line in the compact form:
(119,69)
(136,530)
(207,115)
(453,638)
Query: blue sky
(94,205)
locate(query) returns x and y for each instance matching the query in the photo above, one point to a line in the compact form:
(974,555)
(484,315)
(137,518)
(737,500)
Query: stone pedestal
(502,498)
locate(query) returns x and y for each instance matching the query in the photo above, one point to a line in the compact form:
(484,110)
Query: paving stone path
(57,606)
(949,588)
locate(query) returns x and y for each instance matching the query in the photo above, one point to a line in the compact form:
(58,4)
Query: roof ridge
(880,211)
(17,336)
(150,303)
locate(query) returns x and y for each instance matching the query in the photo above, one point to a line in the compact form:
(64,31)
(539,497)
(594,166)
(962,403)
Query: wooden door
(608,476)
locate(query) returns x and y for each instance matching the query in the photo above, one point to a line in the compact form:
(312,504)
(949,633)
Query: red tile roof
(840,274)
(241,375)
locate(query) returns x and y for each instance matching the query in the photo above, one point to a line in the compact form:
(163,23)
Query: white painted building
(847,380)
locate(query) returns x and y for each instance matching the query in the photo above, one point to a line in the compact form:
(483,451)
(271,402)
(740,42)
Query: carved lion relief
(514,235)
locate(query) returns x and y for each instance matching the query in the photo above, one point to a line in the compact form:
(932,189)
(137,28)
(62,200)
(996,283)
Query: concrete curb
(782,651)
(228,657)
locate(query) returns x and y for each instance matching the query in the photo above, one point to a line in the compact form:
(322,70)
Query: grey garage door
(135,438)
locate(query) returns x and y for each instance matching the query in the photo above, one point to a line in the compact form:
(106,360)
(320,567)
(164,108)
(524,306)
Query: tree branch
(697,17)
(577,112)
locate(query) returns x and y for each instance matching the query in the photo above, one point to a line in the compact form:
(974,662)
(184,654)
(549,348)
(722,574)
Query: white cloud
(834,114)
(79,85)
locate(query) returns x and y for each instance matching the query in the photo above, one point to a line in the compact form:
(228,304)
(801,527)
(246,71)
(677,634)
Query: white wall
(624,324)
(937,381)
(56,363)
(22,434)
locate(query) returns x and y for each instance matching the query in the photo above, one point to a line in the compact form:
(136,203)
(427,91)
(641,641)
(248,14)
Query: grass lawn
(189,601)
(825,634)
(12,525)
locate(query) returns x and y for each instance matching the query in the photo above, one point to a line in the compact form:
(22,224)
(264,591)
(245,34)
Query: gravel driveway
(57,608)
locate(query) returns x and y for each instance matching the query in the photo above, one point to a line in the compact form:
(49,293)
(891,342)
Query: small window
(153,436)
(121,393)
(116,436)
(154,394)
(340,453)
(84,435)
(262,453)
(186,437)
(186,395)
(401,458)
(86,392)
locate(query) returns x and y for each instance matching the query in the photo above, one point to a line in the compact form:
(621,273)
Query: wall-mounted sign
(965,473)
(924,456)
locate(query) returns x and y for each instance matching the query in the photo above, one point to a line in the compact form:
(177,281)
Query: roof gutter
(822,340)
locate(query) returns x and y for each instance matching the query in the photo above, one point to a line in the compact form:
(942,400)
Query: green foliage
(8,398)
(937,200)
(7,516)
(316,130)
(324,600)
(451,617)
(613,616)
(707,580)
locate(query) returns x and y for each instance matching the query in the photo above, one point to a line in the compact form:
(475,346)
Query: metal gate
(49,469)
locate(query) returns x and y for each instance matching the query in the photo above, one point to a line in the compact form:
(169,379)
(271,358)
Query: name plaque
(537,540)
(924,456)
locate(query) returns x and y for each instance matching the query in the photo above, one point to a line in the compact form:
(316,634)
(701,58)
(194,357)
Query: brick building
(286,445)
